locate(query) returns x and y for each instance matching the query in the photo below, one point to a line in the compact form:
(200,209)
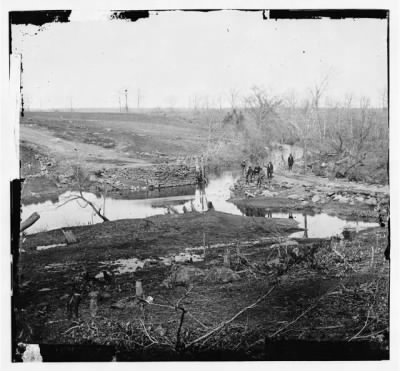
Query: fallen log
(30,221)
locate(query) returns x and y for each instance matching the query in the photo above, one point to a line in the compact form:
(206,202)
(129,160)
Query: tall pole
(138,98)
(126,101)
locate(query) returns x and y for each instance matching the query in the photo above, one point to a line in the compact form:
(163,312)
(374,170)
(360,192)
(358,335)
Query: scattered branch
(178,344)
(153,341)
(224,323)
(301,315)
(71,328)
(362,329)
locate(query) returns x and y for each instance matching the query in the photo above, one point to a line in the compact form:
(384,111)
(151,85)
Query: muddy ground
(213,267)
(322,290)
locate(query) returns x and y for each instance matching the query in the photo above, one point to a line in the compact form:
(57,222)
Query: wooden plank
(30,221)
(70,237)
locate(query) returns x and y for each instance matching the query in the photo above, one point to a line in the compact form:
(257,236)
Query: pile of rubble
(134,179)
(306,194)
(44,163)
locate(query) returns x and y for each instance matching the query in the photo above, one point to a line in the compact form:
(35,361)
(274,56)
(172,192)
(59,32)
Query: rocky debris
(315,198)
(267,193)
(185,275)
(35,165)
(182,276)
(341,199)
(307,195)
(371,201)
(296,197)
(160,331)
(150,263)
(104,276)
(151,177)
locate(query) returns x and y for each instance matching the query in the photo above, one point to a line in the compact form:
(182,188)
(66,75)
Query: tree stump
(139,289)
(227,259)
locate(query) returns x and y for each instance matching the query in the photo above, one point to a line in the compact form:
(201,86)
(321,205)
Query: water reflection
(61,213)
(305,226)
(217,191)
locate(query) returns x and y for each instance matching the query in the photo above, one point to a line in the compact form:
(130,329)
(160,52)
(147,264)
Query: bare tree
(262,107)
(290,100)
(81,179)
(233,98)
(304,131)
(219,101)
(351,145)
(316,94)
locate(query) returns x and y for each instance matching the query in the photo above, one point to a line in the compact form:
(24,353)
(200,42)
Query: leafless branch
(153,341)
(302,314)
(362,329)
(224,323)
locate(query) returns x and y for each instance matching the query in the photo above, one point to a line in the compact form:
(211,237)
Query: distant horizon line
(133,110)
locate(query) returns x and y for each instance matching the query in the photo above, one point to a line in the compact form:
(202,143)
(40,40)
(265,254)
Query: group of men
(256,172)
(249,172)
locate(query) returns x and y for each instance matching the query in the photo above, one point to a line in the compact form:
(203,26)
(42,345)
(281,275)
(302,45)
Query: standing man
(290,162)
(249,174)
(256,169)
(243,165)
(270,170)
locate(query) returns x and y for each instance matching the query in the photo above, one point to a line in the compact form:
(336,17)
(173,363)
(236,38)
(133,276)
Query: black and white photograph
(199,184)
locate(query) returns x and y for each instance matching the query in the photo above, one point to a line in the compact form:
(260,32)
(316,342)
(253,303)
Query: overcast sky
(174,56)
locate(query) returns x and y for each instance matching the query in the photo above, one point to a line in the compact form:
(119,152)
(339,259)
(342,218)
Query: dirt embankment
(45,178)
(165,232)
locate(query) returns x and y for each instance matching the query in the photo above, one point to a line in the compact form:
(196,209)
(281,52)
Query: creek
(64,213)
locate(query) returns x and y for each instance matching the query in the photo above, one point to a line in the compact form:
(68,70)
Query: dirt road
(67,153)
(320,182)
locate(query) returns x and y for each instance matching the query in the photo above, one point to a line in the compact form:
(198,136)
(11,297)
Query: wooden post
(238,249)
(227,258)
(139,289)
(93,303)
